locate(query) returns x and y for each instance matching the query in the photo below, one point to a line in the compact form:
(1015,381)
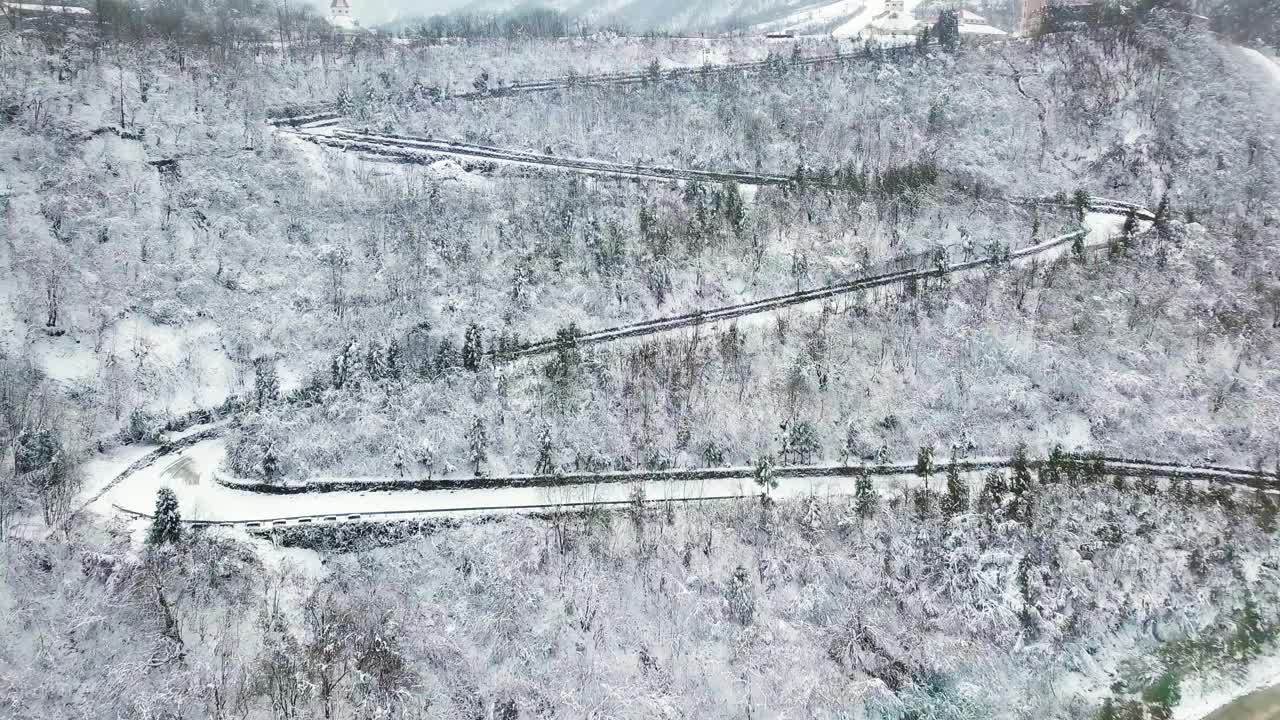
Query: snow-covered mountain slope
(823,18)
(688,15)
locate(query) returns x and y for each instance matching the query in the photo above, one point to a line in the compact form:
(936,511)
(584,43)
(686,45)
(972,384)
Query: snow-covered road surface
(1099,229)
(190,473)
(203,499)
(1270,66)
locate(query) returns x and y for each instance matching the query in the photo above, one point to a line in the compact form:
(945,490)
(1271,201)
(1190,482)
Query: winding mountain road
(191,472)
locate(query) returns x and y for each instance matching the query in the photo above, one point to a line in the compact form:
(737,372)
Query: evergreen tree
(763,474)
(994,489)
(1093,469)
(1080,200)
(478,441)
(1021,485)
(865,497)
(472,348)
(546,454)
(924,465)
(802,443)
(1127,233)
(1162,218)
(1054,469)
(957,500)
(654,71)
(1077,247)
(852,444)
(1021,479)
(922,40)
(947,29)
(166,525)
(340,369)
(735,211)
(375,365)
(446,357)
(393,360)
(34,451)
(1108,711)
(266,383)
(270,465)
(923,501)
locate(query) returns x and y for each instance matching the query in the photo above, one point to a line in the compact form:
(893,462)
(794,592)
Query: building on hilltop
(972,23)
(340,16)
(896,19)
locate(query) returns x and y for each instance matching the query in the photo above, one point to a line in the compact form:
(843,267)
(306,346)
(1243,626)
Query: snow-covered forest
(1093,217)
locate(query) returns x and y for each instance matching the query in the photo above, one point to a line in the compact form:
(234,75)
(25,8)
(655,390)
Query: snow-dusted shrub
(260,448)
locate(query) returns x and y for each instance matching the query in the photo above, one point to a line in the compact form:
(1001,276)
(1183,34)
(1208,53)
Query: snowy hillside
(498,371)
(811,16)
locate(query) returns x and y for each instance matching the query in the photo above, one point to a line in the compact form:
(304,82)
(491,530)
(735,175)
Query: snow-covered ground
(190,474)
(815,17)
(1200,698)
(1270,66)
(185,366)
(858,23)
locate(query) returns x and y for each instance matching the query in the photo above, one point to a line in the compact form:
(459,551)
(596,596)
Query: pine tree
(166,525)
(957,500)
(337,372)
(1020,481)
(1162,217)
(546,454)
(763,474)
(654,71)
(865,496)
(266,383)
(446,357)
(802,443)
(1128,231)
(734,209)
(1021,485)
(340,369)
(472,348)
(994,489)
(1053,470)
(1108,711)
(852,444)
(34,451)
(478,439)
(922,40)
(1080,200)
(270,465)
(924,465)
(947,29)
(375,363)
(393,360)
